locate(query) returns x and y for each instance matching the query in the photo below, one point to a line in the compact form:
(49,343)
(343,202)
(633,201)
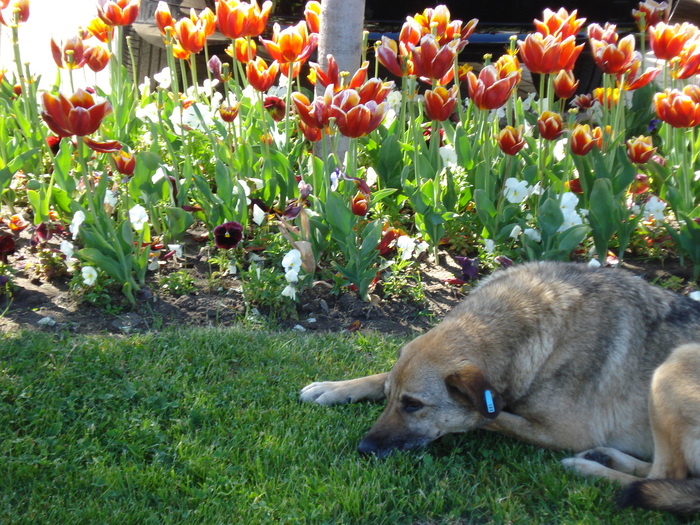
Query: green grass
(205,426)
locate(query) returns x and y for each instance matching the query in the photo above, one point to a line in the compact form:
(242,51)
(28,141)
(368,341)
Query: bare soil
(41,303)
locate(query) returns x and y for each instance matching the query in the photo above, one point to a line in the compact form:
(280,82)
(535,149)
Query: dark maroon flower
(45,231)
(504,261)
(470,267)
(228,235)
(7,246)
(276,107)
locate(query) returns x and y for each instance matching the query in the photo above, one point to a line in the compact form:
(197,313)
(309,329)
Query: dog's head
(430,393)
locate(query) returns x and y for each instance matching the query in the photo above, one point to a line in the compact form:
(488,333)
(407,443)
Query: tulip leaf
(549,218)
(603,216)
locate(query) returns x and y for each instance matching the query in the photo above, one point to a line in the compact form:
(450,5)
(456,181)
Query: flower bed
(115,183)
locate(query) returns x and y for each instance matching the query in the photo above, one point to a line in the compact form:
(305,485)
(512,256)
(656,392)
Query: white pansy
(371,176)
(532,234)
(66,248)
(654,207)
(405,245)
(138,217)
(489,245)
(154,264)
(394,100)
(258,215)
(78,219)
(89,275)
(232,268)
(177,248)
(516,191)
(163,78)
(292,260)
(292,276)
(449,156)
(516,231)
(148,113)
(568,201)
(290,292)
(110,198)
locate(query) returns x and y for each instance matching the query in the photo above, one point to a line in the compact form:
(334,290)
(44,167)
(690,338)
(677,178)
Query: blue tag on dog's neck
(490,408)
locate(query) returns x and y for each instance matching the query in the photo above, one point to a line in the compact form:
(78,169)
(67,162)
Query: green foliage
(180,282)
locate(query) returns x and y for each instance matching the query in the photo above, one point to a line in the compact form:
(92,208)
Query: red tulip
(260,75)
(549,54)
(353,118)
(78,114)
(440,103)
(293,44)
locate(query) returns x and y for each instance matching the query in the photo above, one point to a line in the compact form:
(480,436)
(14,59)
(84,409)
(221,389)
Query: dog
(559,355)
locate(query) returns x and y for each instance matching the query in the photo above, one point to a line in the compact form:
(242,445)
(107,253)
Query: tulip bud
(550,125)
(511,140)
(359,204)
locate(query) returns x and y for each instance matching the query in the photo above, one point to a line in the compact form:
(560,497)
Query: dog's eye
(411,405)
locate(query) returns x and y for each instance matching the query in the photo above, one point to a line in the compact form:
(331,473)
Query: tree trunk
(342,23)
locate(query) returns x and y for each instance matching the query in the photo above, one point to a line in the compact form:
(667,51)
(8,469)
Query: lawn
(204,426)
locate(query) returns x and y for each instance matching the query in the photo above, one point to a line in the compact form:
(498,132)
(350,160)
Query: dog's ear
(470,383)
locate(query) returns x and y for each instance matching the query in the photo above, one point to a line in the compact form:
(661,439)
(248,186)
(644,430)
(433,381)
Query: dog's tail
(680,496)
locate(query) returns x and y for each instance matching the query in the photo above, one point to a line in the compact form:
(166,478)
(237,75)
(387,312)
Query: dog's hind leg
(609,463)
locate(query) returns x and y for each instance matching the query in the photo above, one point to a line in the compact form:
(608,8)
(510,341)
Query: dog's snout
(367,447)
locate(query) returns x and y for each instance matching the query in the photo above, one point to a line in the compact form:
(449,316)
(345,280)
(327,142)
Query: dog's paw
(325,393)
(585,467)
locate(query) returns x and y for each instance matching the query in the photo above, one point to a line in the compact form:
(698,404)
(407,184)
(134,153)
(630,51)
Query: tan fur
(560,356)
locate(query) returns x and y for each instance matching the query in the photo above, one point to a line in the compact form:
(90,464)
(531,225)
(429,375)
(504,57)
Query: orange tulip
(549,54)
(607,98)
(190,34)
(101,31)
(583,138)
(97,58)
(331,75)
(164,19)
(353,118)
(374,89)
(310,133)
(293,44)
(78,114)
(8,10)
(394,56)
(260,75)
(70,54)
(650,13)
(118,12)
(312,15)
(433,61)
(440,103)
(640,149)
(488,90)
(511,140)
(242,49)
(314,114)
(680,109)
(17,223)
(667,41)
(559,23)
(583,101)
(124,162)
(614,58)
(238,19)
(565,84)
(608,33)
(634,80)
(437,19)
(688,60)
(550,125)
(508,64)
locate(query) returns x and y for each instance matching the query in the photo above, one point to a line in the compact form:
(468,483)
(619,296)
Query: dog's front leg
(337,392)
(535,432)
